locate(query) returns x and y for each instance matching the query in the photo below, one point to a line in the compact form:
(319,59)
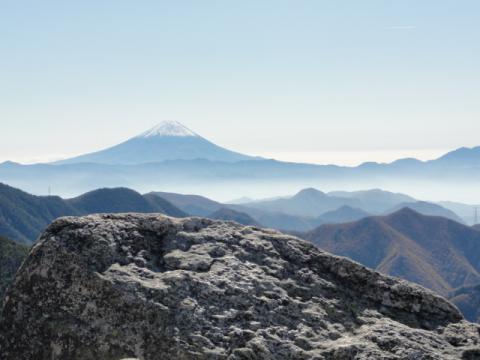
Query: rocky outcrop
(153,287)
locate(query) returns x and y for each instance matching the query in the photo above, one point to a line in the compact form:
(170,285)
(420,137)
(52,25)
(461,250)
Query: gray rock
(152,287)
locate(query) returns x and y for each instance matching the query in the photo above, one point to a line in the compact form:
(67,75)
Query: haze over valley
(171,157)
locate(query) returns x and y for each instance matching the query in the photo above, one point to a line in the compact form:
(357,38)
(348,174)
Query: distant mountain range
(282,218)
(465,211)
(464,156)
(171,156)
(313,203)
(310,208)
(432,251)
(308,203)
(427,208)
(24,216)
(375,201)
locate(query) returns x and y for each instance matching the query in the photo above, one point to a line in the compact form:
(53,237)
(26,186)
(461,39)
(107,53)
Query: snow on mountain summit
(168,128)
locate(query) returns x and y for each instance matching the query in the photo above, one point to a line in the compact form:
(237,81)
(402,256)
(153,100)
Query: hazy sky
(318,81)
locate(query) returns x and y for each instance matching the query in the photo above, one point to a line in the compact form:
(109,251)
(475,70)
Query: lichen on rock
(153,287)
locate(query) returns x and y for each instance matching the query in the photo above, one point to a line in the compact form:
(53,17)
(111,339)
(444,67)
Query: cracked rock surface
(152,287)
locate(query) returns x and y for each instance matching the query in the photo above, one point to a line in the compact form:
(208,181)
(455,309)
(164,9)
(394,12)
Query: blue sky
(317,81)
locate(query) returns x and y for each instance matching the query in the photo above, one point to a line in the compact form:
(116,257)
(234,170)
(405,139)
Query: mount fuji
(169,140)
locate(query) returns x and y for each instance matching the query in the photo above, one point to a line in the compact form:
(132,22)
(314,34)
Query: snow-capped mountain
(168,128)
(169,140)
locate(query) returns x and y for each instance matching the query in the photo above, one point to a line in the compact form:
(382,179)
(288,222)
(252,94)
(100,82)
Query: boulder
(153,287)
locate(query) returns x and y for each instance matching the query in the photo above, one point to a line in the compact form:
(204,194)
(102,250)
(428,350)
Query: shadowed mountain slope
(12,255)
(435,252)
(120,200)
(467,299)
(23,216)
